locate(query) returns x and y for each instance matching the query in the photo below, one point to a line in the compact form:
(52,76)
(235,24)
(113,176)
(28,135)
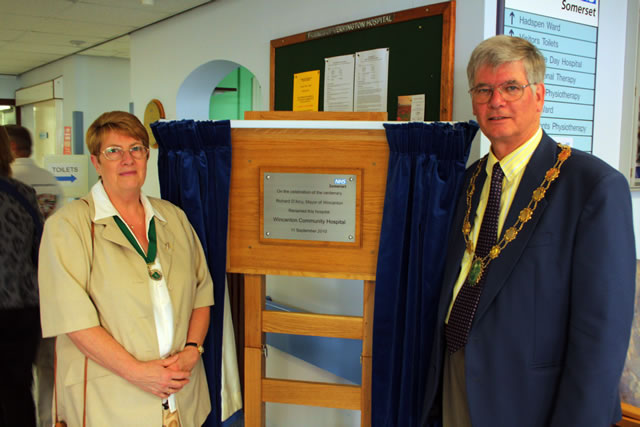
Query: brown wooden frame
(255,149)
(448,12)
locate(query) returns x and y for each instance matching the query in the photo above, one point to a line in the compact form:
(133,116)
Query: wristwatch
(198,347)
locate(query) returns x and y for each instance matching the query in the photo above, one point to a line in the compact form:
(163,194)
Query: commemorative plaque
(309,206)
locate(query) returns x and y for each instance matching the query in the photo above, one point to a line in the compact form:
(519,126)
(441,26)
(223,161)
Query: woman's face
(120,177)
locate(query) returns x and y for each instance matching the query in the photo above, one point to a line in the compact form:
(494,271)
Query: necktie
(466,303)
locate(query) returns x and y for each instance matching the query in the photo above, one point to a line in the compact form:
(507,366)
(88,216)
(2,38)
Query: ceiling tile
(36,32)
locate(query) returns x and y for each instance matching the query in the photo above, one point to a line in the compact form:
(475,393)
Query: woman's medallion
(155,274)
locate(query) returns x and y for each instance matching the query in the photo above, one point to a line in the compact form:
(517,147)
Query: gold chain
(479,265)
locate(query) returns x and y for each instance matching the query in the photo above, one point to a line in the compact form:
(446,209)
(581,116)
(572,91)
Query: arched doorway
(218,90)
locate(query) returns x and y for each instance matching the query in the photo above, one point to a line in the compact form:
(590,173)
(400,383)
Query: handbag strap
(86,359)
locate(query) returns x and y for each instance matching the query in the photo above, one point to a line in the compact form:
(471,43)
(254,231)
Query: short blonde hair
(115,121)
(499,50)
(6,157)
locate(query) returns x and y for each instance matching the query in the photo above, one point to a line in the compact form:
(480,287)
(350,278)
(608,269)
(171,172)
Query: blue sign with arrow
(70,178)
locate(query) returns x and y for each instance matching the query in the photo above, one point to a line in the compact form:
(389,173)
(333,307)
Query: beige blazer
(118,299)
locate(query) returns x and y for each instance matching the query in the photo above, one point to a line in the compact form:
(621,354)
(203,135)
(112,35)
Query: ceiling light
(5,107)
(147,2)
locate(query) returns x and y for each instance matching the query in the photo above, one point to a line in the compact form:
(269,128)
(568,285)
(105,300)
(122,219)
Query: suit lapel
(542,159)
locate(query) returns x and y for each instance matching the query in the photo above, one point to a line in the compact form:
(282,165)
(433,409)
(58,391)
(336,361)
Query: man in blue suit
(537,296)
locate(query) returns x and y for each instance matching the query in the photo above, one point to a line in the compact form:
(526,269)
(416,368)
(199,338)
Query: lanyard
(150,257)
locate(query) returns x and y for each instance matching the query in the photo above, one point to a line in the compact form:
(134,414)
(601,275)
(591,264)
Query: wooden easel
(312,150)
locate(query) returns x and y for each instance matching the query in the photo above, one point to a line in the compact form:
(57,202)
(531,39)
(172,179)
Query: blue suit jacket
(550,335)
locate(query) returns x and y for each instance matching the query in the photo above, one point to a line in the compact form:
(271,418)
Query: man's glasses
(137,151)
(509,91)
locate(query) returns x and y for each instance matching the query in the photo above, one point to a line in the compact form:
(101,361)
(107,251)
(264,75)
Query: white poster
(417,108)
(372,79)
(338,83)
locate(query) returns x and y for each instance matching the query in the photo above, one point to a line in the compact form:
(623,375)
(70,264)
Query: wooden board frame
(317,149)
(364,152)
(448,12)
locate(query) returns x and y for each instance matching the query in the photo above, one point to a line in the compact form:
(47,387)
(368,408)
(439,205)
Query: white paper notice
(338,83)
(372,72)
(417,108)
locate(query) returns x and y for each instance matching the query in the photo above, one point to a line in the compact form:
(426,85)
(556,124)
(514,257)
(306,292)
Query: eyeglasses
(509,91)
(137,151)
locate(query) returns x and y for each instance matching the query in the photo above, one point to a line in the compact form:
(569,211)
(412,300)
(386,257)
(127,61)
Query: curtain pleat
(194,168)
(425,173)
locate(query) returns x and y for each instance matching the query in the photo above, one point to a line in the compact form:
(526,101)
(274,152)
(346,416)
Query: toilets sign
(566,32)
(70,172)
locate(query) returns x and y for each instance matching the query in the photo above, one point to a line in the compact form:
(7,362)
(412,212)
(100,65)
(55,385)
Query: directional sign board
(71,173)
(566,32)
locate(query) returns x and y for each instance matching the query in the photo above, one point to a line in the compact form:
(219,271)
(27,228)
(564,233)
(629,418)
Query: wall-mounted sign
(309,206)
(566,32)
(71,172)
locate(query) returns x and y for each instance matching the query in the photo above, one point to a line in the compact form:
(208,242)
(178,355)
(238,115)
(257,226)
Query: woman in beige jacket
(124,284)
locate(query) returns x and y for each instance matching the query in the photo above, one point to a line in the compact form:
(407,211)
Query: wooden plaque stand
(315,150)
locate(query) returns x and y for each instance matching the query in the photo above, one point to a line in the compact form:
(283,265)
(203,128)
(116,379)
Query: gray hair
(502,49)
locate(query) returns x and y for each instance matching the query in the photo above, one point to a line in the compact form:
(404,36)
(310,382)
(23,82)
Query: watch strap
(196,345)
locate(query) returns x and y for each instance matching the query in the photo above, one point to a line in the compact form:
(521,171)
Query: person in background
(537,296)
(124,283)
(20,231)
(24,169)
(49,195)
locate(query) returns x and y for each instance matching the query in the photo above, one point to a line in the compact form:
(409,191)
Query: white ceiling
(36,32)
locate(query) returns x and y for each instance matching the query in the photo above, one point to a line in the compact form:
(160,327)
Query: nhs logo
(340,181)
(590,1)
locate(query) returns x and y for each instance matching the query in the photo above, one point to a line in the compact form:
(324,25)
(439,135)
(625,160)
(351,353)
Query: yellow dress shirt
(513,166)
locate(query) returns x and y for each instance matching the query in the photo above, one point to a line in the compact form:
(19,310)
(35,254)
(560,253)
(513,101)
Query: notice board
(421,43)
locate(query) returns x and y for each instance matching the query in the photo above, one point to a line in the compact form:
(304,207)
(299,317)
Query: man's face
(508,124)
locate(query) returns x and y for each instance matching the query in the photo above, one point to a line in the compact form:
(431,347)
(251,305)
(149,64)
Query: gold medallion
(155,274)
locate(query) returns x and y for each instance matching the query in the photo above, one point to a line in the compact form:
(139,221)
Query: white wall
(8,86)
(92,85)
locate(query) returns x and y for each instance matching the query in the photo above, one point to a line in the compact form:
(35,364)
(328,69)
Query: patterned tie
(466,303)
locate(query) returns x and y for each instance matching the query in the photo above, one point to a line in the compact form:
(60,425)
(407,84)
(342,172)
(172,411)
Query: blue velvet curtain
(194,167)
(426,170)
